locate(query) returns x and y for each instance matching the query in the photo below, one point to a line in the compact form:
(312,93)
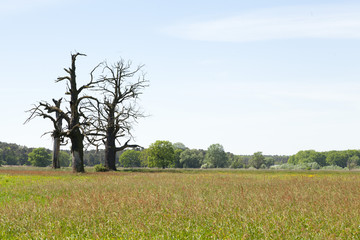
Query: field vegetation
(184,204)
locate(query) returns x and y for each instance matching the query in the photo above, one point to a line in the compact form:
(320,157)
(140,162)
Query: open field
(179,205)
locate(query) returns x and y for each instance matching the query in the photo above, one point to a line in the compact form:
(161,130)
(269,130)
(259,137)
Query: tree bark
(56,136)
(77,151)
(55,156)
(110,147)
(110,153)
(75,134)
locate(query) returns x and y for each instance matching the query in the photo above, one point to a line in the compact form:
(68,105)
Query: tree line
(344,159)
(164,154)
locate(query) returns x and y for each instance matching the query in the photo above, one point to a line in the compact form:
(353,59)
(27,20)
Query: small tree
(216,156)
(238,162)
(39,157)
(269,161)
(353,162)
(130,158)
(257,160)
(177,153)
(178,148)
(191,158)
(161,154)
(144,158)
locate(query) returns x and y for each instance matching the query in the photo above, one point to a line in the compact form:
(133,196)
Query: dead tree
(56,136)
(75,119)
(115,115)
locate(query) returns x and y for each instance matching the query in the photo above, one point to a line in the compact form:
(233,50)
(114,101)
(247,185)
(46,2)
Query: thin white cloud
(320,21)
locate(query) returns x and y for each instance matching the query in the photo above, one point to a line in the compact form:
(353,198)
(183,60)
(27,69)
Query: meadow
(206,204)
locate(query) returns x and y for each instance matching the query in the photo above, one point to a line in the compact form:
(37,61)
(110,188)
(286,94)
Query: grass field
(179,205)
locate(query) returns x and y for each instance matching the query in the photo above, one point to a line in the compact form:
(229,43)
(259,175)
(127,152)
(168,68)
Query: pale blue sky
(271,76)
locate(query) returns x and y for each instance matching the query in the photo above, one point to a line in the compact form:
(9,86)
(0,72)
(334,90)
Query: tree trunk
(77,151)
(56,146)
(110,153)
(77,145)
(55,156)
(110,144)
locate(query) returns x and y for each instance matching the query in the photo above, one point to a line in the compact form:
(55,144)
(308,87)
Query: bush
(100,168)
(332,167)
(303,166)
(314,165)
(207,165)
(275,167)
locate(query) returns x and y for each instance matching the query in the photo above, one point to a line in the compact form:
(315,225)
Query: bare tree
(56,136)
(75,119)
(114,116)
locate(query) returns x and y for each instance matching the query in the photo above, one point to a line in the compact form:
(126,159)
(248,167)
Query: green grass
(179,205)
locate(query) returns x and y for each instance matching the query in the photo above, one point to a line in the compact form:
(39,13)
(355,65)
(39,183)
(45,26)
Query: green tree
(339,158)
(308,156)
(64,159)
(161,154)
(1,157)
(130,158)
(269,161)
(179,145)
(216,156)
(238,162)
(191,158)
(39,157)
(177,153)
(257,160)
(9,156)
(144,158)
(353,162)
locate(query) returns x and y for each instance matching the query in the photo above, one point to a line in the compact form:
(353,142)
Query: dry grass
(188,205)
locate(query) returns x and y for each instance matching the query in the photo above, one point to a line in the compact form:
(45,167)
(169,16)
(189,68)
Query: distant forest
(14,154)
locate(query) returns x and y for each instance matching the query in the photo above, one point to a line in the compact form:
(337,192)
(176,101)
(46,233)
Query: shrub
(303,166)
(314,165)
(332,167)
(207,165)
(100,168)
(275,167)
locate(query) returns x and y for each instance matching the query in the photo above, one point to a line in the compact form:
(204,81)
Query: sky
(272,76)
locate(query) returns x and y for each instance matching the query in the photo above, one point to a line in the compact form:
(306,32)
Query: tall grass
(186,205)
